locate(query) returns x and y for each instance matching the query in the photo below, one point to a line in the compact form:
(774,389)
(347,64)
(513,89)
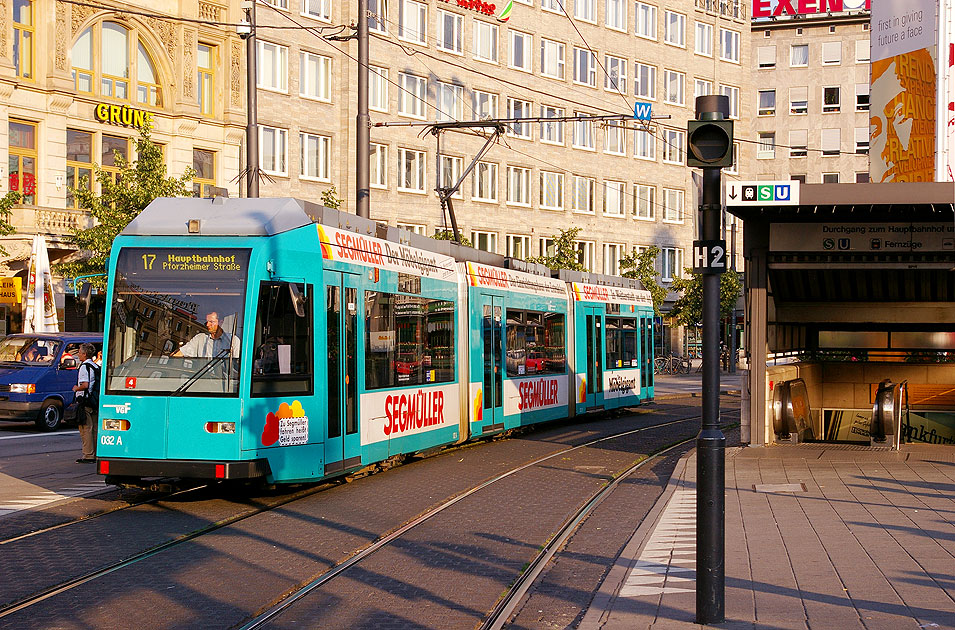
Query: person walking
(86,414)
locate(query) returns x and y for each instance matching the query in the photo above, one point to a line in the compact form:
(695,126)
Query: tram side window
(409,340)
(621,342)
(535,343)
(282,363)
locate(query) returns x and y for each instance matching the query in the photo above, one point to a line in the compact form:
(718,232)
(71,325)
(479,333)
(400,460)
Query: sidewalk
(864,540)
(675,385)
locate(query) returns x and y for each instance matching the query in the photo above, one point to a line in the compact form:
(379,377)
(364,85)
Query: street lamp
(246,31)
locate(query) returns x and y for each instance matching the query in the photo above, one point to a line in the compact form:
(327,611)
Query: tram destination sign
(862,237)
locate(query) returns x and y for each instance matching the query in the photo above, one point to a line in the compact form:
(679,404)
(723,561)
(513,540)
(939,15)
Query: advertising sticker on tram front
(288,426)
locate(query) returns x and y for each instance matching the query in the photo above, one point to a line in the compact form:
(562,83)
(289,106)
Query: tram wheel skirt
(183,468)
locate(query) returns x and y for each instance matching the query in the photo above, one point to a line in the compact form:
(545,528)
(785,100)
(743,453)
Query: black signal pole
(710,141)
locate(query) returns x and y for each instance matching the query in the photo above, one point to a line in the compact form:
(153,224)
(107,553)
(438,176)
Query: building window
(316,157)
(831,53)
(485,104)
(485,182)
(547,246)
(520,55)
(451,173)
(317,9)
(315,76)
(378,88)
(206,81)
(485,41)
(862,51)
(616,74)
(766,147)
(585,67)
(552,132)
(450,101)
(413,21)
(585,10)
(411,176)
(830,178)
(613,252)
(733,169)
(24,35)
(416,228)
(703,44)
(798,178)
(556,6)
(273,150)
(733,94)
(862,177)
(585,253)
(278,4)
(798,143)
(831,99)
(862,97)
(583,200)
(615,138)
(518,186)
(644,144)
(767,102)
(673,143)
(552,59)
(644,202)
(674,87)
(204,164)
(671,263)
(518,246)
(645,81)
(674,28)
(378,161)
(378,15)
(729,45)
(799,55)
(673,205)
(552,190)
(702,87)
(584,136)
(122,56)
(766,56)
(451,32)
(799,100)
(22,162)
(615,14)
(411,95)
(272,66)
(517,108)
(862,140)
(485,241)
(79,164)
(646,20)
(614,193)
(831,141)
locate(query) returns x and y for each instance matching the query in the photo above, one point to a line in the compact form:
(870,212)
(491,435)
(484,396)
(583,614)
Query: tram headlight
(220,427)
(113,424)
(23,388)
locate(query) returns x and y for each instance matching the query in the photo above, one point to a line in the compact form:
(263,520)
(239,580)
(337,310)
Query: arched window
(123,69)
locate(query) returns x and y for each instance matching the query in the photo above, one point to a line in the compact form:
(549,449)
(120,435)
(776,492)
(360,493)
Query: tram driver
(212,342)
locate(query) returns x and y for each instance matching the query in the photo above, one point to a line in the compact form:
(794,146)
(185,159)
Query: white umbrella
(40,306)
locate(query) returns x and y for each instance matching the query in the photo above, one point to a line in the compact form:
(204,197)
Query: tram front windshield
(176,321)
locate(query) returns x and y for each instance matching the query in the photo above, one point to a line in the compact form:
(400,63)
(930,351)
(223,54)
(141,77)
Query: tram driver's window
(282,362)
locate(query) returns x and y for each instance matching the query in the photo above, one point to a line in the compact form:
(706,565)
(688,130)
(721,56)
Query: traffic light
(710,143)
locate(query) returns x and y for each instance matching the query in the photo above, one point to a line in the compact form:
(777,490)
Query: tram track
(94,574)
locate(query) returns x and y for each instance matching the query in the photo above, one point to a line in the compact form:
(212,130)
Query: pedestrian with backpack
(87,401)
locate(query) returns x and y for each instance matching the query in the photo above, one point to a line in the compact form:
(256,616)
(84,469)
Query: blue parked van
(37,375)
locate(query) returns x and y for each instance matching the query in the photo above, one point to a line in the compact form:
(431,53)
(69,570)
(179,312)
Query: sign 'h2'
(709,256)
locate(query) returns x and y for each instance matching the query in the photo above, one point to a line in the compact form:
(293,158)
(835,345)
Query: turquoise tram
(281,341)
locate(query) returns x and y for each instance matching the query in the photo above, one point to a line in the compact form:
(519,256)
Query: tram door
(646,354)
(342,438)
(492,337)
(594,327)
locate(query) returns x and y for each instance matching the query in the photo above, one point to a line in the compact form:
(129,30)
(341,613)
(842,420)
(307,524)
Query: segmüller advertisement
(904,82)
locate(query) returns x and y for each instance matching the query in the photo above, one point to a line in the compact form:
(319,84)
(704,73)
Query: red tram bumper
(183,468)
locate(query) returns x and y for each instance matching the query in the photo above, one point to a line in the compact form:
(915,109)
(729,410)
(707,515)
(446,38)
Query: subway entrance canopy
(851,285)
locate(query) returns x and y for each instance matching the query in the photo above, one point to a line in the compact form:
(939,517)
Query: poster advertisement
(904,83)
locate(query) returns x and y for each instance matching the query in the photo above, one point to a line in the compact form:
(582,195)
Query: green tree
(448,235)
(688,309)
(330,199)
(6,212)
(124,195)
(640,265)
(565,254)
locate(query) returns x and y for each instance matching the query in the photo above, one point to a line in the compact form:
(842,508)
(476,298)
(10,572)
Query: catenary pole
(363,130)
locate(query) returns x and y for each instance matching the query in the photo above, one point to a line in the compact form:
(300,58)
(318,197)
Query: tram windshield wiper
(206,367)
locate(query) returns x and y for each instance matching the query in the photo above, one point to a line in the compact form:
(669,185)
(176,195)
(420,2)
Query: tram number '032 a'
(111,440)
